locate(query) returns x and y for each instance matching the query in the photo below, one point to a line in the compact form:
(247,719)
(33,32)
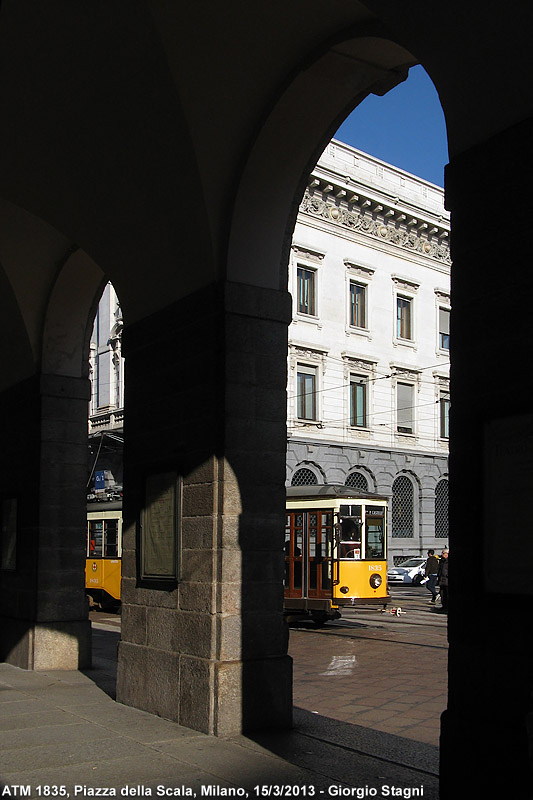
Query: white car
(411,571)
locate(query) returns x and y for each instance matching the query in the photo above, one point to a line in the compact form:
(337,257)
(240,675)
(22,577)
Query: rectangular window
(405,416)
(306,392)
(444,328)
(403,318)
(444,404)
(306,291)
(358,389)
(357,305)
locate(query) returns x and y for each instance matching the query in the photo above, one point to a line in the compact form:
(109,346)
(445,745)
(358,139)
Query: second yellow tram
(335,551)
(104,553)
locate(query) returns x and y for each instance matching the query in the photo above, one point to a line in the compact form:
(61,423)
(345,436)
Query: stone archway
(175,160)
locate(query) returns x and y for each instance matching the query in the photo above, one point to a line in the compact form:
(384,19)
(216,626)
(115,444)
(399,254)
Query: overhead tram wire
(366,380)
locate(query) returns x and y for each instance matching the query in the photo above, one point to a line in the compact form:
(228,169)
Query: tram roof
(104,505)
(331,490)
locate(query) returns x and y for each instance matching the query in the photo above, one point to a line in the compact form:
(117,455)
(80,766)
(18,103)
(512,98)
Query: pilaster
(44,612)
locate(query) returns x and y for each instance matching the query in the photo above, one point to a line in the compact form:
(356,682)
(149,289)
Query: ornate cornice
(359,269)
(307,351)
(442,295)
(363,365)
(302,251)
(382,222)
(405,283)
(405,373)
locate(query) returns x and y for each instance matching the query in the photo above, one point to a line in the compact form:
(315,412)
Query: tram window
(375,541)
(103,539)
(96,533)
(111,539)
(351,511)
(350,550)
(312,543)
(350,531)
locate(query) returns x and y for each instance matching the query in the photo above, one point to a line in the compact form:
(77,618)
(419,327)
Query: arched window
(441,509)
(402,508)
(304,477)
(356,480)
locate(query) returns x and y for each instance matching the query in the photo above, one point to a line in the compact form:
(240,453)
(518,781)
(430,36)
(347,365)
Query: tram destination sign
(374,511)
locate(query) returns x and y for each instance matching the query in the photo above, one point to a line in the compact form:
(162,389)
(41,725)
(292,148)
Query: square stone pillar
(206,399)
(486,740)
(44,623)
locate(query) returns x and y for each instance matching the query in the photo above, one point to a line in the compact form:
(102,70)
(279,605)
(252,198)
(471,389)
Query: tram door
(308,554)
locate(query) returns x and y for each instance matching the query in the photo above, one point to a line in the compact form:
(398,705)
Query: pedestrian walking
(442,580)
(431,571)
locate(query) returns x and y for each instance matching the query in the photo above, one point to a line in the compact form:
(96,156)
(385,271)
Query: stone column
(44,622)
(486,736)
(206,398)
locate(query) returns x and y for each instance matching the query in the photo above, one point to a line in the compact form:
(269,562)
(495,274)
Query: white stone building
(368,363)
(368,360)
(106,409)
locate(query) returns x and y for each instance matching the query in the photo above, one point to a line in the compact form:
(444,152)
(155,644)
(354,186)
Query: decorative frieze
(381,223)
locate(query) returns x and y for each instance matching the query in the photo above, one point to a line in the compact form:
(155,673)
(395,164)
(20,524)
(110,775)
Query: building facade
(368,361)
(106,408)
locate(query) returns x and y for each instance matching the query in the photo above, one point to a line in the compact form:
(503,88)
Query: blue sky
(405,127)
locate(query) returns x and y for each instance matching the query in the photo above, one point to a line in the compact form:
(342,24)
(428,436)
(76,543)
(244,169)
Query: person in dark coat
(442,580)
(431,571)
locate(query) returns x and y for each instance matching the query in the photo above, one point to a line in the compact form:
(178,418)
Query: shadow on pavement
(103,671)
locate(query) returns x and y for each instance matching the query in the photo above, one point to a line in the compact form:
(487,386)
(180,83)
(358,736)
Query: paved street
(377,670)
(368,693)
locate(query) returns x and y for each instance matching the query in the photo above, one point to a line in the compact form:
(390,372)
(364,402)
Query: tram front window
(350,543)
(375,540)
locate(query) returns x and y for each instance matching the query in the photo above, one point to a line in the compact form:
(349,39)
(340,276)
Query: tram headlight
(344,589)
(376,581)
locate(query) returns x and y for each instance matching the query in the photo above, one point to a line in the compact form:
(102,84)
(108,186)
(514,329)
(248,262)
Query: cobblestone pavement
(377,670)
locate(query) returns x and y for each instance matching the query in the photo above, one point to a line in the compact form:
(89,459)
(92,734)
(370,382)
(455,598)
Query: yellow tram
(335,550)
(104,553)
